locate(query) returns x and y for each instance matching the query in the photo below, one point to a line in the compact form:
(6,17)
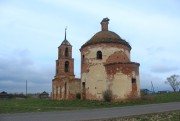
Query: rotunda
(106,65)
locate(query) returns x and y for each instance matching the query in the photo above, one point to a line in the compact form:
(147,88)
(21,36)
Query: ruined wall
(120,86)
(123,88)
(58,88)
(74,87)
(65,88)
(123,80)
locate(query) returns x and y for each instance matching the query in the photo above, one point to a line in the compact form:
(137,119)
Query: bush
(78,96)
(107,95)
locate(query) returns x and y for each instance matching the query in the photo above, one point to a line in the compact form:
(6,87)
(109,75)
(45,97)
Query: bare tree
(173,82)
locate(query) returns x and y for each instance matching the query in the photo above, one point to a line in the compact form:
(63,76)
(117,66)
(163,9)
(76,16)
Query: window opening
(99,55)
(83,86)
(133,81)
(83,59)
(66,66)
(66,52)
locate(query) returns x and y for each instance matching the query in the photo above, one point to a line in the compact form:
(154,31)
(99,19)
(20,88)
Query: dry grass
(166,116)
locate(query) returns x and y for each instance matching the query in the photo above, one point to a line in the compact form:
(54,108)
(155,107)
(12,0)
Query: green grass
(40,105)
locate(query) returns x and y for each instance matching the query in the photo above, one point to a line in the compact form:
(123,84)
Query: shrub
(107,95)
(78,95)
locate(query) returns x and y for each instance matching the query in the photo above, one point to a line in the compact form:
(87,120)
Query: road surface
(79,115)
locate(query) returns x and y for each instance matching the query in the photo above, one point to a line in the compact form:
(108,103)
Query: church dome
(106,36)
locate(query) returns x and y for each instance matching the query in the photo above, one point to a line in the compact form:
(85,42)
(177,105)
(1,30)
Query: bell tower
(65,62)
(64,85)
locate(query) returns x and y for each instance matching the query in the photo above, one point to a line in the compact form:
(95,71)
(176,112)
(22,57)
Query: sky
(32,30)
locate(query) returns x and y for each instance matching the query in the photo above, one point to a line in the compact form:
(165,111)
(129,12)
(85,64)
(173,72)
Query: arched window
(59,53)
(99,55)
(66,52)
(133,80)
(83,60)
(66,66)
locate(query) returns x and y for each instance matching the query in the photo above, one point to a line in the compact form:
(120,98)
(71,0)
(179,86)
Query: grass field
(40,105)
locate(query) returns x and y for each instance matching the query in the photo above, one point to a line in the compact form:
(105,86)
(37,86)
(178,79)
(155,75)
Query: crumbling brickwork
(113,71)
(105,64)
(65,85)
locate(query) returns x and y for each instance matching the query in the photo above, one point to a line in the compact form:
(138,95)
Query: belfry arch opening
(66,66)
(66,52)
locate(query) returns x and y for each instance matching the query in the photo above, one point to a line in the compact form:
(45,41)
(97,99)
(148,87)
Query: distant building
(44,95)
(105,64)
(4,95)
(146,92)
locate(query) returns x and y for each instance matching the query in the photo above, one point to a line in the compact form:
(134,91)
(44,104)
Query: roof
(65,42)
(106,37)
(44,93)
(3,93)
(131,63)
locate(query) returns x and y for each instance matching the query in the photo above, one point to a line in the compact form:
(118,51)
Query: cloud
(151,27)
(148,79)
(160,68)
(155,50)
(17,68)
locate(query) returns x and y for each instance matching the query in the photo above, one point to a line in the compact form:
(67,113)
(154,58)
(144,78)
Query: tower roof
(106,36)
(65,42)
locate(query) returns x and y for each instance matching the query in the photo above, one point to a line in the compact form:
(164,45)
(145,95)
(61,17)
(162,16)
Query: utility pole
(26,88)
(152,87)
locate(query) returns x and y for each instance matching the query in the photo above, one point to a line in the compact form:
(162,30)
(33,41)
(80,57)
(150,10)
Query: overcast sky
(31,31)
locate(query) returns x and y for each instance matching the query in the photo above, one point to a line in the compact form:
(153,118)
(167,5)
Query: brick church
(105,64)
